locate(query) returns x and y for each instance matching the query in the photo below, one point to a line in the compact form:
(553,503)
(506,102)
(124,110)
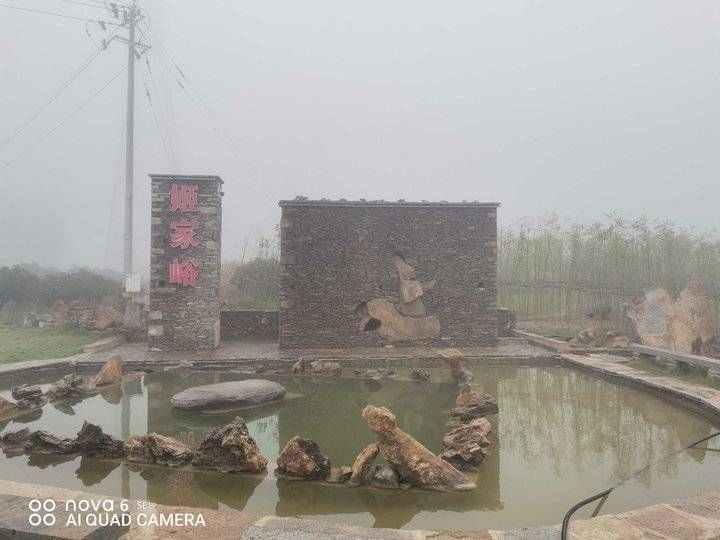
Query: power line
(65,120)
(222,133)
(99,6)
(162,115)
(51,99)
(56,14)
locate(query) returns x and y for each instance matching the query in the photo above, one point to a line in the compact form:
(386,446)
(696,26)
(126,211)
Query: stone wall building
(185,262)
(370,273)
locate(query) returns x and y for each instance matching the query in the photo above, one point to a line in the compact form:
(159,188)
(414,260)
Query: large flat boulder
(228,395)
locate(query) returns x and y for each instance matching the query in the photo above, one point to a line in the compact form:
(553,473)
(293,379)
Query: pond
(561,435)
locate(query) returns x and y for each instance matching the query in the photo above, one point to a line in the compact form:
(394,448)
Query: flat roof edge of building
(341,202)
(187,176)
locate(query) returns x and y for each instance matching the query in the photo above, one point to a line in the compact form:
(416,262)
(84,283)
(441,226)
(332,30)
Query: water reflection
(560,436)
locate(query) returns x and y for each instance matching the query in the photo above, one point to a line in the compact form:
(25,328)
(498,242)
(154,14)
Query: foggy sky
(573,107)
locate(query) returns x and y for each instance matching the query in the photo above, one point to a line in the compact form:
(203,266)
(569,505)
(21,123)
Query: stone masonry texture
(185,317)
(249,324)
(337,255)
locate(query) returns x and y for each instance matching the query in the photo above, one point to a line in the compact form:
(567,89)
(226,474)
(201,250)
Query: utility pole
(129,150)
(129,16)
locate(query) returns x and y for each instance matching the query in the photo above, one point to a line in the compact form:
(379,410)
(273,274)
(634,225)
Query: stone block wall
(373,273)
(249,324)
(185,262)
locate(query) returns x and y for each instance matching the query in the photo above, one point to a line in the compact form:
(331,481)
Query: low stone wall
(249,324)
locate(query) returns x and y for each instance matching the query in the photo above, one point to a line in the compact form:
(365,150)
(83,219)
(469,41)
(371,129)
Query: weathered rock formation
(229,395)
(26,391)
(230,448)
(300,366)
(454,359)
(464,446)
(682,325)
(339,475)
(376,374)
(15,439)
(385,477)
(471,404)
(92,442)
(111,372)
(42,442)
(71,386)
(593,337)
(7,407)
(301,459)
(420,375)
(323,367)
(360,471)
(155,448)
(414,463)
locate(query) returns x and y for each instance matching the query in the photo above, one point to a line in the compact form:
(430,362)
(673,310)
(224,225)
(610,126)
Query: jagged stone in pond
(71,386)
(15,439)
(471,404)
(361,466)
(385,477)
(420,375)
(230,448)
(339,475)
(301,459)
(454,359)
(111,372)
(25,391)
(464,446)
(155,448)
(92,442)
(42,442)
(229,395)
(414,463)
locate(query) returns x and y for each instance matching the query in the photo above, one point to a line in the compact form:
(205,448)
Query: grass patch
(18,344)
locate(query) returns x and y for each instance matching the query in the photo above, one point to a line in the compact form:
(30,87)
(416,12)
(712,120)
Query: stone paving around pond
(267,352)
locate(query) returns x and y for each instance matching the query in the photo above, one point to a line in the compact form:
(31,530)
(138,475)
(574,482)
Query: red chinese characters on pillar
(184,272)
(183,235)
(183,198)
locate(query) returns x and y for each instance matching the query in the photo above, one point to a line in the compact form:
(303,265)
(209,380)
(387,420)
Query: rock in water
(42,442)
(26,391)
(385,477)
(154,448)
(472,404)
(70,386)
(413,462)
(92,442)
(420,375)
(7,407)
(300,366)
(15,439)
(111,372)
(361,467)
(454,359)
(322,367)
(230,448)
(229,395)
(301,459)
(339,475)
(464,447)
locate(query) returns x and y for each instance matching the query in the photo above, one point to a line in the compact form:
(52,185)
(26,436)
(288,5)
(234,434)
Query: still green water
(561,436)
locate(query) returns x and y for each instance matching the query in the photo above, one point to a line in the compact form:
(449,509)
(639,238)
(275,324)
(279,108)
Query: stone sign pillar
(185,263)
